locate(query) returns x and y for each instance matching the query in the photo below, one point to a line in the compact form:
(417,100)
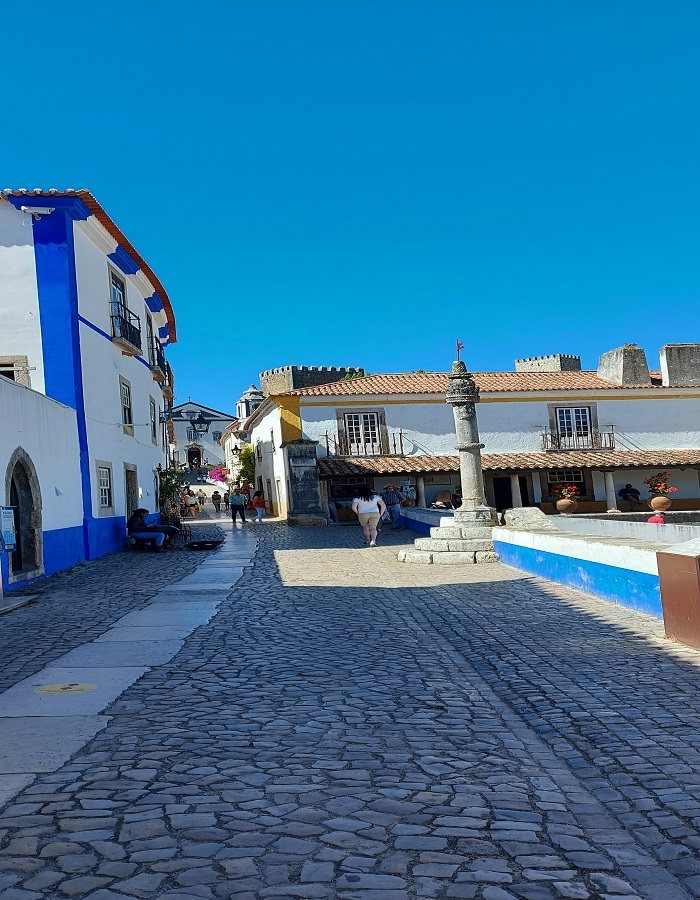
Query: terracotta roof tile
(104,219)
(488,382)
(381,465)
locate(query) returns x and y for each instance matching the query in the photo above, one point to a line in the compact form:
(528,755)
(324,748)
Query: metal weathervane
(460,346)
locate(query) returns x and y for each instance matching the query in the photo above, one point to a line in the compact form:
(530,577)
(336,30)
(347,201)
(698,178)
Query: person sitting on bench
(137,528)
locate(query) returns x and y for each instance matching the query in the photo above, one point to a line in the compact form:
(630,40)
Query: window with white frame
(362,433)
(104,484)
(154,421)
(127,415)
(272,441)
(574,421)
(565,476)
(191,434)
(216,435)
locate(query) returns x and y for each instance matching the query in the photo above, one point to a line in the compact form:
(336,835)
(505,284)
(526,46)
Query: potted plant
(659,490)
(565,496)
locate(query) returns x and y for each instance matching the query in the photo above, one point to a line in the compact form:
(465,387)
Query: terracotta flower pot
(660,502)
(566,506)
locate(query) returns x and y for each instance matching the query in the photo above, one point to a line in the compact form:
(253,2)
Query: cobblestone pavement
(78,605)
(351,727)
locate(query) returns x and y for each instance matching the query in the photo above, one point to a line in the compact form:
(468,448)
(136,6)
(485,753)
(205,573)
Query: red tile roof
(104,219)
(384,465)
(488,382)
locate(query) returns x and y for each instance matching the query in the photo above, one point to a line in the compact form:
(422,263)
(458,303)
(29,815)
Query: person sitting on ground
(137,528)
(392,498)
(631,495)
(657,519)
(369,508)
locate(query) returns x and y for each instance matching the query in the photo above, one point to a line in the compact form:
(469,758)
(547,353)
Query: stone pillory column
(465,536)
(304,484)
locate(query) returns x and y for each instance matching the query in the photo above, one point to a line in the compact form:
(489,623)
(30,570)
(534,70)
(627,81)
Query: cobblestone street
(349,726)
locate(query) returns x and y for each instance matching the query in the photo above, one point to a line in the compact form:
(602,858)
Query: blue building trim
(154,303)
(638,590)
(123,261)
(57,287)
(415,525)
(63,548)
(164,333)
(144,362)
(72,206)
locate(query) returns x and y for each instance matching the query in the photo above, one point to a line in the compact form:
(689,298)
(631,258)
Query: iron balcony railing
(557,441)
(167,384)
(339,445)
(126,327)
(157,360)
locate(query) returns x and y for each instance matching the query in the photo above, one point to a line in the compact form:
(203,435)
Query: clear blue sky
(333,182)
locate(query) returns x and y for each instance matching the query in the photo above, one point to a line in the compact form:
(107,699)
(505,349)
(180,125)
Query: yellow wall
(290,418)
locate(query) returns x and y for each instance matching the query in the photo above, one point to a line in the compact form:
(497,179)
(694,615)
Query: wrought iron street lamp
(199,424)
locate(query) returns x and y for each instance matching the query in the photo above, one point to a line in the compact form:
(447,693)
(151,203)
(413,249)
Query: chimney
(680,365)
(556,362)
(626,366)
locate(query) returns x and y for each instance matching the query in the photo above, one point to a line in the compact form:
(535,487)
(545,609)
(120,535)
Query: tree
(170,482)
(246,462)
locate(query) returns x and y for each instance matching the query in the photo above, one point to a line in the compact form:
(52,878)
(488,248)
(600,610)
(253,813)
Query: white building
(196,435)
(84,321)
(546,423)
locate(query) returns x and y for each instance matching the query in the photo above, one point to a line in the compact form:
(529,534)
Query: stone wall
(289,378)
(555,362)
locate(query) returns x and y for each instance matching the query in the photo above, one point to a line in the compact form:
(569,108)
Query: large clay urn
(660,502)
(566,506)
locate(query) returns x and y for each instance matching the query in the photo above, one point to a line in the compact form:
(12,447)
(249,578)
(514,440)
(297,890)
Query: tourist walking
(237,503)
(393,499)
(258,504)
(201,496)
(226,501)
(369,508)
(216,500)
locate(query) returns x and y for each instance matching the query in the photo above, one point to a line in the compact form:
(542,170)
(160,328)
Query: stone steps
(456,546)
(425,557)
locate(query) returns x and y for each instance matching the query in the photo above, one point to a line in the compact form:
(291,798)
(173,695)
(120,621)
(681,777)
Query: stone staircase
(461,539)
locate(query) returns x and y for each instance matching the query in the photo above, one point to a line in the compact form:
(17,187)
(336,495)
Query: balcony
(156,359)
(167,385)
(339,445)
(557,442)
(126,329)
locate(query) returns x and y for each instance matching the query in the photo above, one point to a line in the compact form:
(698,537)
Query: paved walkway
(347,726)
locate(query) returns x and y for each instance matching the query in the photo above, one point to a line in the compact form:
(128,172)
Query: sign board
(8,540)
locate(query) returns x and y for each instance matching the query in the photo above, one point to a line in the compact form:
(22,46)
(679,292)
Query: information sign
(8,540)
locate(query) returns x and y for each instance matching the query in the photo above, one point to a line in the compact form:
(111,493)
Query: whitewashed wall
(20,327)
(47,432)
(268,432)
(515,426)
(103,363)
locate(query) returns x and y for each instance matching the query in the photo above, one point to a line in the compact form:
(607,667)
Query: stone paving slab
(146,633)
(121,653)
(103,686)
(43,743)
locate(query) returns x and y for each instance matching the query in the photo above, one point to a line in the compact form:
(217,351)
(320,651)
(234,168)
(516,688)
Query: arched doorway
(194,457)
(23,494)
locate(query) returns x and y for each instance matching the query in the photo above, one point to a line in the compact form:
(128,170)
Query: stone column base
(469,540)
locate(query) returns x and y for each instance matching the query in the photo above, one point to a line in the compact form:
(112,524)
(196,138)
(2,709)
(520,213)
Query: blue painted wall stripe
(123,261)
(154,303)
(638,590)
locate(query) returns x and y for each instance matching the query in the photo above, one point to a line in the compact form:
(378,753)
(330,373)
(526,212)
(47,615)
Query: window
(258,451)
(216,435)
(149,340)
(127,417)
(154,421)
(565,476)
(272,441)
(191,434)
(104,482)
(573,422)
(362,432)
(118,291)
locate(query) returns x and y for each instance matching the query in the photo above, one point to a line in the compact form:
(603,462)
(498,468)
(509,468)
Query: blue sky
(330,183)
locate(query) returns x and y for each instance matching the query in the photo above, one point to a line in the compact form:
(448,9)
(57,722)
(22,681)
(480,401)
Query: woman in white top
(369,508)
